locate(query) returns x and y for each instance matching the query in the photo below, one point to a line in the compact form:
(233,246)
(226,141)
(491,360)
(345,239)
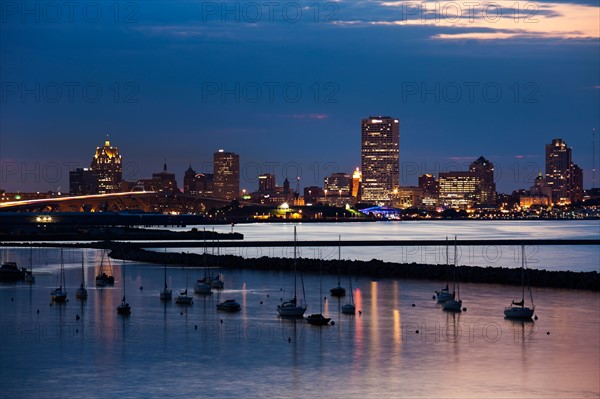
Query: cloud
(307,116)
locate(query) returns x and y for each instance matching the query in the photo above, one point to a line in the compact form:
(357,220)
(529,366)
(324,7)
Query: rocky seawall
(373,268)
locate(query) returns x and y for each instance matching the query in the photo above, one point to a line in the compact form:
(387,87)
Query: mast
(455,267)
(295,265)
(523,274)
(339,258)
(165,267)
(82,273)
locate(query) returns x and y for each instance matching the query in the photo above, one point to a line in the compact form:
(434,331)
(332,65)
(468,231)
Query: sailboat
(203,285)
(60,294)
(454,303)
(338,291)
(81,292)
(518,310)
(124,308)
(166,294)
(291,308)
(444,294)
(183,298)
(317,319)
(29,277)
(349,308)
(102,278)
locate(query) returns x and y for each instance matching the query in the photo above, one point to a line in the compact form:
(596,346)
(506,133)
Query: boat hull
(453,305)
(229,306)
(338,291)
(81,293)
(349,309)
(203,289)
(443,296)
(124,310)
(166,295)
(291,311)
(518,312)
(318,320)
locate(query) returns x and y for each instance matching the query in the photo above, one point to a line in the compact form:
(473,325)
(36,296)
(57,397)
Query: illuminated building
(227,175)
(161,181)
(107,164)
(266,183)
(458,189)
(189,181)
(486,192)
(356,180)
(83,181)
(380,158)
(427,183)
(338,183)
(407,197)
(564,178)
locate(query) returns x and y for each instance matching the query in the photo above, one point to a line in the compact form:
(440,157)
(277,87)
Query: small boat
(184,299)
(10,272)
(445,294)
(59,294)
(203,286)
(217,283)
(29,277)
(124,308)
(349,308)
(338,291)
(291,308)
(317,319)
(102,279)
(518,310)
(81,292)
(166,294)
(230,305)
(454,304)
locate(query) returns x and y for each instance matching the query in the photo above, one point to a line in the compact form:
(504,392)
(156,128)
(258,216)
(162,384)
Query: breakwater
(373,268)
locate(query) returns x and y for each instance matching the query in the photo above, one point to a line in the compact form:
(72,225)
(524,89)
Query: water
(170,350)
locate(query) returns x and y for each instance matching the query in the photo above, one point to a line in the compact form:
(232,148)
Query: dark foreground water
(168,350)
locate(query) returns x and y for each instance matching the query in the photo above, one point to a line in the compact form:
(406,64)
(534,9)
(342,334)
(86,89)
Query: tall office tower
(227,175)
(486,193)
(576,183)
(558,171)
(189,181)
(266,183)
(380,158)
(83,181)
(428,184)
(356,180)
(458,189)
(107,164)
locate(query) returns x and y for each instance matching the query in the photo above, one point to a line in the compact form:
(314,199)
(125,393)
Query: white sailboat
(291,308)
(518,310)
(454,303)
(203,285)
(349,308)
(166,294)
(60,294)
(338,291)
(444,294)
(81,292)
(102,279)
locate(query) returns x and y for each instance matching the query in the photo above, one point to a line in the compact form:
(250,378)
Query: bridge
(145,201)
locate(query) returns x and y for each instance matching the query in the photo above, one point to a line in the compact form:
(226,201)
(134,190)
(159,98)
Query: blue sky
(285,85)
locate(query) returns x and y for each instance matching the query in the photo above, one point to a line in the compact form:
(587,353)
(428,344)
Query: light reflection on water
(165,349)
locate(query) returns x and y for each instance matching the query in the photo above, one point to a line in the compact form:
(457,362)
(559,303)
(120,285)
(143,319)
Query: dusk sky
(285,85)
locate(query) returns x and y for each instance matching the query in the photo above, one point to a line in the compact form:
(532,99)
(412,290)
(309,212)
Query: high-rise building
(189,181)
(458,189)
(356,180)
(380,158)
(564,178)
(486,193)
(227,175)
(107,164)
(83,181)
(428,184)
(266,183)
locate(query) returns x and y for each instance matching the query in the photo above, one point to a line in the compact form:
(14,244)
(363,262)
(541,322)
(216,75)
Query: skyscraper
(227,175)
(562,176)
(380,158)
(486,193)
(107,165)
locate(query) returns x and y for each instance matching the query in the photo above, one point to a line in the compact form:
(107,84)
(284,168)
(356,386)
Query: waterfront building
(380,158)
(458,189)
(107,164)
(338,183)
(266,183)
(486,192)
(564,178)
(356,180)
(226,175)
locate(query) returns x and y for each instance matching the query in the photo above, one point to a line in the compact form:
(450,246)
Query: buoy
(433,297)
(12,299)
(261,302)
(548,333)
(181,313)
(464,309)
(324,298)
(290,339)
(38,311)
(221,321)
(332,323)
(195,326)
(77,331)
(360,312)
(141,287)
(267,295)
(416,332)
(281,299)
(535,317)
(76,317)
(281,289)
(413,305)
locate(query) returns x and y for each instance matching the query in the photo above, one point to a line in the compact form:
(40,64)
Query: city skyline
(180,82)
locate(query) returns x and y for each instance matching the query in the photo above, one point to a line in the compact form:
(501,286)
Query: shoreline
(589,281)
